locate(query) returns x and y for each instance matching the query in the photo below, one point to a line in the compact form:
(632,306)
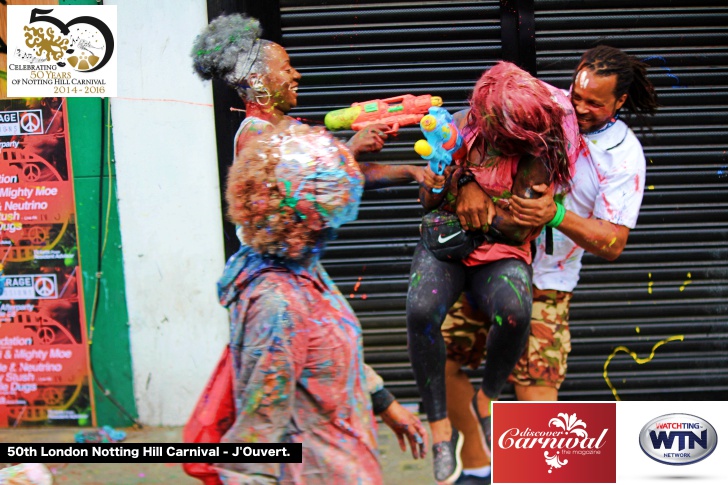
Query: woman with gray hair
(230,49)
(296,343)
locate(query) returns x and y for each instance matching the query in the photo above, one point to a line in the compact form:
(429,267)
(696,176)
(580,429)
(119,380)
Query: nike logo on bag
(443,240)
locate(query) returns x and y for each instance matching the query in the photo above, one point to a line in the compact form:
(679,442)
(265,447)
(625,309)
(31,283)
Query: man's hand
(474,207)
(431,180)
(368,139)
(417,173)
(404,423)
(534,212)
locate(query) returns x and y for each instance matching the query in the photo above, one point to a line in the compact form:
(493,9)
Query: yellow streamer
(636,359)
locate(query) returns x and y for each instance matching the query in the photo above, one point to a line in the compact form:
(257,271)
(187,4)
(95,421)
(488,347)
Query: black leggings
(501,290)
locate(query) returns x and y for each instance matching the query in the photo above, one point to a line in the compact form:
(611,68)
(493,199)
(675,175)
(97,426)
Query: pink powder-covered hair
(517,115)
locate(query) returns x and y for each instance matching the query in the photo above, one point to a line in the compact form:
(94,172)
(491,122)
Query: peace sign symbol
(52,395)
(46,335)
(44,287)
(37,235)
(31,172)
(30,122)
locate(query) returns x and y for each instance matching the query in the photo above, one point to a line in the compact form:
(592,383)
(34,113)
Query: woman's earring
(261,92)
(257,84)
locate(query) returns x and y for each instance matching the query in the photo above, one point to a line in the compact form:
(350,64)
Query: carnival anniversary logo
(64,51)
(554,442)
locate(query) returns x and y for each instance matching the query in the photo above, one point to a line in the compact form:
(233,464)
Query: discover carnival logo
(678,439)
(572,443)
(61,51)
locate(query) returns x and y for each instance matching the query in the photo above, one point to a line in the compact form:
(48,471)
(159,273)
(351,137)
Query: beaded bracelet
(559,216)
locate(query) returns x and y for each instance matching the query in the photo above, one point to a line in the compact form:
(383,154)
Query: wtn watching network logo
(678,439)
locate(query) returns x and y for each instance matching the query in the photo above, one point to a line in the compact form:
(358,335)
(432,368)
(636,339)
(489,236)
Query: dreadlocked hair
(517,115)
(631,75)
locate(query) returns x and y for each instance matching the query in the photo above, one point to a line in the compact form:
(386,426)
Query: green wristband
(559,216)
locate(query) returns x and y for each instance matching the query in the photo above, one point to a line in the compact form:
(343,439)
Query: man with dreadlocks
(519,132)
(594,213)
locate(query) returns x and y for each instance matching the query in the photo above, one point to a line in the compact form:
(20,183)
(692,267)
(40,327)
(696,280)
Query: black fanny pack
(445,238)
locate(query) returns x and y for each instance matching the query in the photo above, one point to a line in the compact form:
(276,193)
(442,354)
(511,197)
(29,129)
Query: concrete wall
(169,206)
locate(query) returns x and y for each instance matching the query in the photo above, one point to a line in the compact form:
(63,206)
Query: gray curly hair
(229,48)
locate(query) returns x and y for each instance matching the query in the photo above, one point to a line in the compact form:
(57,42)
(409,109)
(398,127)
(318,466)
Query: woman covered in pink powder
(519,132)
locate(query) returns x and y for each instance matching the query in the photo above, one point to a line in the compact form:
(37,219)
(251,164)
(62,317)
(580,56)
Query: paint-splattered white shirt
(608,184)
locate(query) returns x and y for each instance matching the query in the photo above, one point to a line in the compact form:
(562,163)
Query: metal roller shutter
(673,277)
(374,50)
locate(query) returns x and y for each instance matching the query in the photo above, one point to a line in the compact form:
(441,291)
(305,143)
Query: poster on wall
(44,362)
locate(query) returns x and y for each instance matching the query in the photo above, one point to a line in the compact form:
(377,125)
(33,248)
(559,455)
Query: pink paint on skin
(636,183)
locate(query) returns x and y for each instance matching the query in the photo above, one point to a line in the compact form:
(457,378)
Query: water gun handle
(437,158)
(442,140)
(438,167)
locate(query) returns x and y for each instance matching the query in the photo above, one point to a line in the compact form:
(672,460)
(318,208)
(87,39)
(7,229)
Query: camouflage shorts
(543,363)
(465,330)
